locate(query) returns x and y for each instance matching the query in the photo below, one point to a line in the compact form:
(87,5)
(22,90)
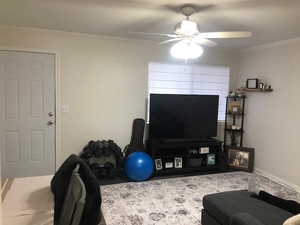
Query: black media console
(184,156)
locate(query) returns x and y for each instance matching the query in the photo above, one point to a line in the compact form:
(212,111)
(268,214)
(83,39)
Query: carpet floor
(174,200)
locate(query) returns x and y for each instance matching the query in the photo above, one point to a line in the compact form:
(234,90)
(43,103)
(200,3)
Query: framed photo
(158,164)
(252,83)
(234,106)
(240,158)
(211,159)
(169,165)
(178,162)
(203,150)
(235,109)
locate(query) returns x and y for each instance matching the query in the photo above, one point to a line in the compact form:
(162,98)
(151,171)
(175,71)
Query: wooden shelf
(255,90)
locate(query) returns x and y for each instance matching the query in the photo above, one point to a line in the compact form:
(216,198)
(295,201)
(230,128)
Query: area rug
(175,200)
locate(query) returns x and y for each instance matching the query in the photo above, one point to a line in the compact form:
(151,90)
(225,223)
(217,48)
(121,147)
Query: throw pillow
(295,220)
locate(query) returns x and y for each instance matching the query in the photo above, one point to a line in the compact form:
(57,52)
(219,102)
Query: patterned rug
(175,200)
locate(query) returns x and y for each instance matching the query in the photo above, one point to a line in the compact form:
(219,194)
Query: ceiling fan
(189,39)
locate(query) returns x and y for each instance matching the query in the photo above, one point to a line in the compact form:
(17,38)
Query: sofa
(239,208)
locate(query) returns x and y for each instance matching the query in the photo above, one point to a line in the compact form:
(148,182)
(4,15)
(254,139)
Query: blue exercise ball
(139,166)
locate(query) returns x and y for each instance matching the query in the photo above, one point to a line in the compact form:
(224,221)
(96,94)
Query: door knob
(49,123)
(50,114)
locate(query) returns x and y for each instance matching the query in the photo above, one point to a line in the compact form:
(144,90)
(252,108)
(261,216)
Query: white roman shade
(190,79)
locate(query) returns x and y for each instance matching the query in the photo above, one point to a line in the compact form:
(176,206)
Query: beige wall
(103,80)
(272,119)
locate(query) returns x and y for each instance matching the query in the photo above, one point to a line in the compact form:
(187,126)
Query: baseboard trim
(278,180)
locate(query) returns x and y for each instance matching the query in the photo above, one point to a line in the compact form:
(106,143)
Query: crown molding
(74,34)
(271,44)
(104,37)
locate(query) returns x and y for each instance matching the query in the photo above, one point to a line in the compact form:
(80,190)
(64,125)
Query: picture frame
(211,159)
(240,158)
(204,150)
(252,83)
(158,164)
(235,109)
(234,106)
(169,165)
(178,162)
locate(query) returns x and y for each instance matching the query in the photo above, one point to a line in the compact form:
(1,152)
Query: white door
(27,101)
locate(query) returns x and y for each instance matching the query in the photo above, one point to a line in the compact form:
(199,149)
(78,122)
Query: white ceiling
(270,20)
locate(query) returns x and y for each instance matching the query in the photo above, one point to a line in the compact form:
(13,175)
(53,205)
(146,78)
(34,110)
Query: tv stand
(197,155)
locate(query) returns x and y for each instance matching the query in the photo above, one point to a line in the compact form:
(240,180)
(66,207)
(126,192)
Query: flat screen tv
(183,116)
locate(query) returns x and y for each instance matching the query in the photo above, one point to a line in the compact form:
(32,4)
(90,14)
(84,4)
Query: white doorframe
(57,96)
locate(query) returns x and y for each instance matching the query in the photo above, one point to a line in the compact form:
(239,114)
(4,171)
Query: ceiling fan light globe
(186,50)
(187,28)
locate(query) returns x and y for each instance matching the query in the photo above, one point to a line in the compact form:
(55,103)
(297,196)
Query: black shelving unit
(234,121)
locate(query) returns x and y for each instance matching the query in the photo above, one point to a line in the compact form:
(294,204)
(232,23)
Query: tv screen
(183,116)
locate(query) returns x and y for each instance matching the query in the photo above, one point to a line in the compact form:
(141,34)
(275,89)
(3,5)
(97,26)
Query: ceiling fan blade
(170,40)
(205,42)
(155,34)
(229,34)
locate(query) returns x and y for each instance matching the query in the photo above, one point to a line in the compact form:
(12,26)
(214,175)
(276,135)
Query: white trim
(58,128)
(57,94)
(277,180)
(270,45)
(30,50)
